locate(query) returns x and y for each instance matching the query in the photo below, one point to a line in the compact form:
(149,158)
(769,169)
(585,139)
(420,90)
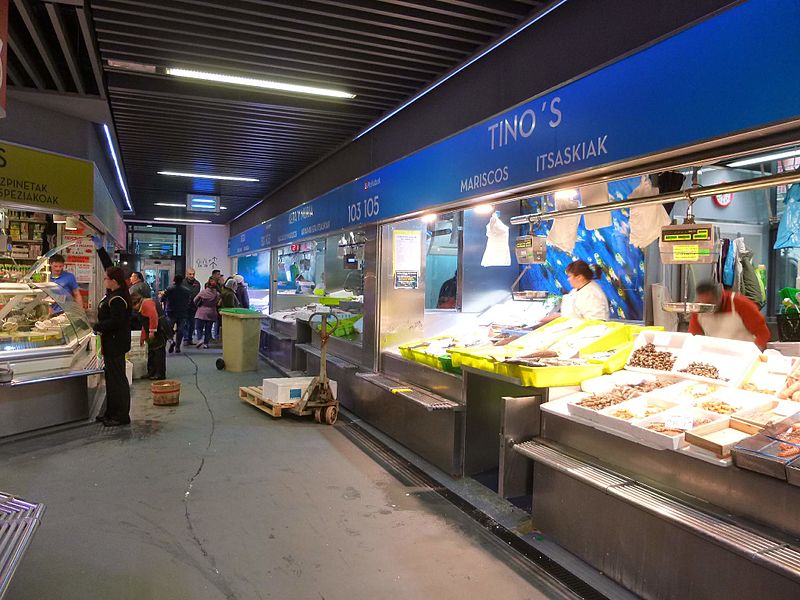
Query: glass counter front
(36,317)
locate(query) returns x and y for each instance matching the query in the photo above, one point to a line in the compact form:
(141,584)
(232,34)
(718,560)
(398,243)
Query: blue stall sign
(735,72)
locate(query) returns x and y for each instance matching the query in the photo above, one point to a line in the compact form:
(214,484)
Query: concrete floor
(214,499)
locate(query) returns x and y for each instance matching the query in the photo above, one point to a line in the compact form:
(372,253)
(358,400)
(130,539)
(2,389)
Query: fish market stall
(47,358)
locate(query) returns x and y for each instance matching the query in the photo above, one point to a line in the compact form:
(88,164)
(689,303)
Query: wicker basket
(166,393)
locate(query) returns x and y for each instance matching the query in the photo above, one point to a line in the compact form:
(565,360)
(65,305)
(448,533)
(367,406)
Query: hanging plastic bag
(497,253)
(789,227)
(646,221)
(592,195)
(564,232)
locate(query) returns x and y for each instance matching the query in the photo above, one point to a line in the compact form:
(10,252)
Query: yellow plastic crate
(616,361)
(635,330)
(442,362)
(545,377)
(473,358)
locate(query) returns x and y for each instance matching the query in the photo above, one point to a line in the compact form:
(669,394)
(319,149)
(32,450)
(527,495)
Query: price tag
(786,408)
(679,421)
(685,252)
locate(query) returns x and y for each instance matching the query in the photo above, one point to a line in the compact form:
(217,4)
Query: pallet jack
(319,396)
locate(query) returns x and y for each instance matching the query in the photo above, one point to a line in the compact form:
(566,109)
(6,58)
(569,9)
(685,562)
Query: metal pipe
(688,195)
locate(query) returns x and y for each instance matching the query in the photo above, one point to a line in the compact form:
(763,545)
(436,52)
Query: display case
(41,327)
(46,340)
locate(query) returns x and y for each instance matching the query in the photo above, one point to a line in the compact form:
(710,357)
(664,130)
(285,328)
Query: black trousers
(157,360)
(118,392)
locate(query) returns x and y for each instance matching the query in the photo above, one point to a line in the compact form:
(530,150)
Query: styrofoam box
(741,400)
(687,392)
(663,441)
(605,383)
(580,411)
(289,390)
(637,407)
(669,341)
(733,358)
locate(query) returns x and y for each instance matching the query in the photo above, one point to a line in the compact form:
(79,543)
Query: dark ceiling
(384,51)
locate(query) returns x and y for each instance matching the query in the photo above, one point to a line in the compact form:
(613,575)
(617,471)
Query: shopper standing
(195,287)
(228,298)
(216,329)
(241,291)
(154,334)
(176,299)
(206,302)
(140,286)
(113,325)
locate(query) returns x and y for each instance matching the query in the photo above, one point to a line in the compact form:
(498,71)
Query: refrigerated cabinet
(46,339)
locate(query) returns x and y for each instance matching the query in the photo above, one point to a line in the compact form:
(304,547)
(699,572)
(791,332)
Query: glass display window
(36,316)
(300,268)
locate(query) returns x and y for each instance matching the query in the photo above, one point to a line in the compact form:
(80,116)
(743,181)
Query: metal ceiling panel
(383,51)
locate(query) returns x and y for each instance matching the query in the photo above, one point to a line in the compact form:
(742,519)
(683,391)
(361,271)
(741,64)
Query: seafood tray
(721,436)
(771,413)
(731,359)
(762,379)
(588,405)
(728,401)
(621,416)
(760,454)
(787,434)
(666,430)
(687,392)
(656,351)
(605,383)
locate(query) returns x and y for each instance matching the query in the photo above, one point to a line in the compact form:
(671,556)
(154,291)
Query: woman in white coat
(587,299)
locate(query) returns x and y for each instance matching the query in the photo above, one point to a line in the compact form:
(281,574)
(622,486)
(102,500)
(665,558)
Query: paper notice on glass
(407,251)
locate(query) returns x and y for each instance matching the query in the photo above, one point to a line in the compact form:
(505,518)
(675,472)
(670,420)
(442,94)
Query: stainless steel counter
(756,497)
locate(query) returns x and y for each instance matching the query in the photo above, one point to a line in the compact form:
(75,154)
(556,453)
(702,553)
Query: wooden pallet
(253,396)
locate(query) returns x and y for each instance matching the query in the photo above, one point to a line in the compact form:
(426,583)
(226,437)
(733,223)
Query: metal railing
(19,520)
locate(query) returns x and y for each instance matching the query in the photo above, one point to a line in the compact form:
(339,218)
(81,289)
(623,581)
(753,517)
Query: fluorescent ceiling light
(223,208)
(757,160)
(206,176)
(457,70)
(131,66)
(429,218)
(59,218)
(258,83)
(169,204)
(181,220)
(117,167)
(484,209)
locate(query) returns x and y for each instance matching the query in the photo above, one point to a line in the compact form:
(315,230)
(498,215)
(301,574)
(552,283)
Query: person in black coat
(114,327)
(176,299)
